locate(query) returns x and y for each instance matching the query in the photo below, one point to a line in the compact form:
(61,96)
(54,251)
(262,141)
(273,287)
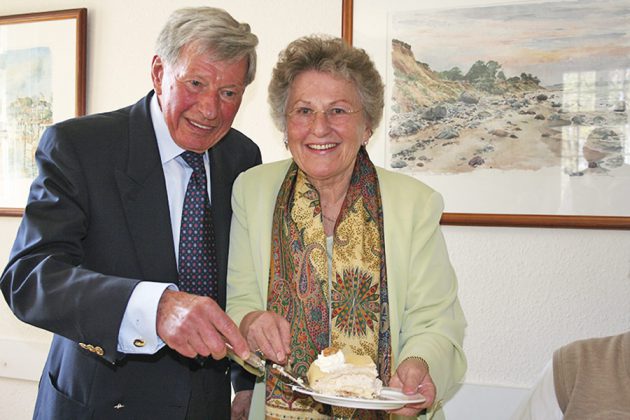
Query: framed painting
(517,113)
(42,81)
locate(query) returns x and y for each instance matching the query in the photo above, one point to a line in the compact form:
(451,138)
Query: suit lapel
(143,194)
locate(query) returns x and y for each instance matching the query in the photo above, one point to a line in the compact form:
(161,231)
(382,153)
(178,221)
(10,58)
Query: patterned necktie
(197,256)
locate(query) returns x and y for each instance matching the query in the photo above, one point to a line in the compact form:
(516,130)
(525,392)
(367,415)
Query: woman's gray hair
(330,55)
(210,30)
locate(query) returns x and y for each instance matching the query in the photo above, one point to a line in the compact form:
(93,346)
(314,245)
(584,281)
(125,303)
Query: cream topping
(330,363)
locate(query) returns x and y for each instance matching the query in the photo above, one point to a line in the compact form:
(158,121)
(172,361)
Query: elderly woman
(328,250)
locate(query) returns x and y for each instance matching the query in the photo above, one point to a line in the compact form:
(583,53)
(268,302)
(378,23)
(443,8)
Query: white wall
(524,291)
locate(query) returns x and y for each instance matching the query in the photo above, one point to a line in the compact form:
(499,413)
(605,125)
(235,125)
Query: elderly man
(122,251)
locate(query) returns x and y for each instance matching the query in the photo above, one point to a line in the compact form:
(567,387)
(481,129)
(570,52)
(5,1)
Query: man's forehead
(204,66)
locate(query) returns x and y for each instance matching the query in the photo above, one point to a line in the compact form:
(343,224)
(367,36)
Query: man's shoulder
(100,122)
(235,138)
(593,348)
(235,153)
(102,132)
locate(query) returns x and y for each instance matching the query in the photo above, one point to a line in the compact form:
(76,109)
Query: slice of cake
(345,374)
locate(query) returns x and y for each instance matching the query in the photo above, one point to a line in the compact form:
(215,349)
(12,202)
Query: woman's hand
(413,376)
(241,405)
(269,333)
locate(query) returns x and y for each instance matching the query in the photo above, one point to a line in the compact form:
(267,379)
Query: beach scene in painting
(515,87)
(26,107)
(37,88)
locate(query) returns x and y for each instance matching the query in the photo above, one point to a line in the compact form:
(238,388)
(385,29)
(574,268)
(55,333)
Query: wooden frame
(35,32)
(508,220)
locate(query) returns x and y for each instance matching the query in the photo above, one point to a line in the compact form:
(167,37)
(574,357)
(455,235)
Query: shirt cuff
(138,332)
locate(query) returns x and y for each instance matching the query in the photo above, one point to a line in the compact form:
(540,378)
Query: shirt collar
(167,146)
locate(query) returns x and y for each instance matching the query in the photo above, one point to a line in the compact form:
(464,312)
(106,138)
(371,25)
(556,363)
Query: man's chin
(199,145)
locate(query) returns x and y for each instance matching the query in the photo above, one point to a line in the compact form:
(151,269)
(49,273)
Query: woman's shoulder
(396,182)
(271,170)
(408,201)
(262,178)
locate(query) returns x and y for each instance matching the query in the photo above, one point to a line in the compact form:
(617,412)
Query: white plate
(389,399)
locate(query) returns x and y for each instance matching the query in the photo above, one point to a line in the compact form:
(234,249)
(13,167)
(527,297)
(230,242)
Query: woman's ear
(366,136)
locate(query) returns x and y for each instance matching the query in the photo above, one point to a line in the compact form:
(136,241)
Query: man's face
(199,97)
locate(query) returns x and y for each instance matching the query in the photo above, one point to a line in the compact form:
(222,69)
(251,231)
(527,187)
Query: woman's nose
(320,124)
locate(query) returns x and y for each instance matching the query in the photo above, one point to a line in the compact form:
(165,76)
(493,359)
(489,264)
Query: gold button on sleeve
(138,342)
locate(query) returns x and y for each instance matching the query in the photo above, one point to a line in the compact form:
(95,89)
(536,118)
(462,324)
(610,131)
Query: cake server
(253,364)
(297,381)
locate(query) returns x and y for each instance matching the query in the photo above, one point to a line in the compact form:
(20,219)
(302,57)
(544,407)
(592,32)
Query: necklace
(330,219)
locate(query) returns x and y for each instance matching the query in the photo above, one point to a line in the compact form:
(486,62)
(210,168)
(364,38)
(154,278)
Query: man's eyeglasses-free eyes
(334,116)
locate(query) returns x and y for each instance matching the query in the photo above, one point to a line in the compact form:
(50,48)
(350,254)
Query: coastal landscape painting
(42,81)
(28,103)
(525,97)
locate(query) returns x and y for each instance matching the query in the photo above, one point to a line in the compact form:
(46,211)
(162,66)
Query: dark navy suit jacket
(96,223)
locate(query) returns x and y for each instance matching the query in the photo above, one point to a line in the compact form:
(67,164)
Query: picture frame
(42,81)
(368,24)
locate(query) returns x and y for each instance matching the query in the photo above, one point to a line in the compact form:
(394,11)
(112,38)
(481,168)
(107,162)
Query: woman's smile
(325,146)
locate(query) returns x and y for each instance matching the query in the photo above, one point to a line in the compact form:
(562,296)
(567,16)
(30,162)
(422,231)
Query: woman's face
(325,125)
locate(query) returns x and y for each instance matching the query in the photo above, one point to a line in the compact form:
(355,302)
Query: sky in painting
(28,72)
(547,40)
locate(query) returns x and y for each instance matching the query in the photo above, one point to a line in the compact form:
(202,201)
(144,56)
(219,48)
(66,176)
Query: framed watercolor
(516,112)
(42,81)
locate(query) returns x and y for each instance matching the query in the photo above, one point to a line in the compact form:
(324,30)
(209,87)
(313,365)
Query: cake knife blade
(253,364)
(298,381)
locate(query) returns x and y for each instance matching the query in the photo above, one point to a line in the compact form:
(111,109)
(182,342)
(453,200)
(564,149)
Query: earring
(366,141)
(286,141)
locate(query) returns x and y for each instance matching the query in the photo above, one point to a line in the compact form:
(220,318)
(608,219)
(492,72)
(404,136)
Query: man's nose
(209,105)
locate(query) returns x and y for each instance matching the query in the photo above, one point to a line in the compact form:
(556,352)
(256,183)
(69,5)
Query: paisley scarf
(347,308)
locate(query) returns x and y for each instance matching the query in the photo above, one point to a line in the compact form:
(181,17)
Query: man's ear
(157,73)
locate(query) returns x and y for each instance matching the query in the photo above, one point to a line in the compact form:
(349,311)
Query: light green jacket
(426,319)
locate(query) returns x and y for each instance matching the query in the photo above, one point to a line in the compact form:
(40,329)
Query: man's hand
(412,375)
(240,404)
(269,333)
(195,325)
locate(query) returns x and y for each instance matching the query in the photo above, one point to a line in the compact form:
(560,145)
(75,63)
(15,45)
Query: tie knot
(194,160)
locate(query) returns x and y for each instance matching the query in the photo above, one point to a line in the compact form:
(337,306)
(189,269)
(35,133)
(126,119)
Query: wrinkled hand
(240,405)
(267,332)
(195,325)
(413,376)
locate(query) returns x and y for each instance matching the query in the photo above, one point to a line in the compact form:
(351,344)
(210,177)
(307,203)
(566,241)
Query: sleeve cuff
(137,334)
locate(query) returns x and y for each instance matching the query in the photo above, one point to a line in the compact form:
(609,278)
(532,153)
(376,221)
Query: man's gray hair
(210,30)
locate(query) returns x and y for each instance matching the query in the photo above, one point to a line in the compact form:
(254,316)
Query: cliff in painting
(484,101)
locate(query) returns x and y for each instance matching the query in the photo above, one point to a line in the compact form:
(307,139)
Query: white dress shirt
(137,334)
(541,403)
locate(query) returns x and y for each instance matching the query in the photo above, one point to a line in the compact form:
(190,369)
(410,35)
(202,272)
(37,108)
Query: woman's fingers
(267,332)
